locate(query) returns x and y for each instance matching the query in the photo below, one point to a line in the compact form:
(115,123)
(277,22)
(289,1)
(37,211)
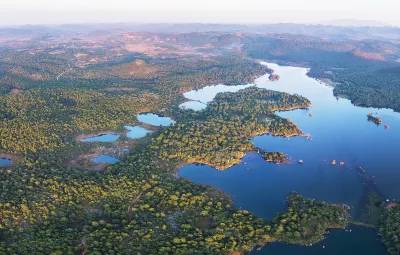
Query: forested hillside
(366,72)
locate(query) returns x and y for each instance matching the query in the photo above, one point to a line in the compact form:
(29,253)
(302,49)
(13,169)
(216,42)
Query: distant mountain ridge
(353,23)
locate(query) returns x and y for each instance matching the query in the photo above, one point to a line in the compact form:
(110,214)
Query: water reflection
(5,162)
(105,138)
(135,132)
(104,159)
(154,119)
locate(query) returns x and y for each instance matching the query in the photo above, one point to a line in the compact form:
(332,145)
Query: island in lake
(275,157)
(376,120)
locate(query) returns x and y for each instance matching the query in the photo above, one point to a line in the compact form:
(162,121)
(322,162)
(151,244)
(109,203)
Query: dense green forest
(306,220)
(219,134)
(390,229)
(48,119)
(365,72)
(275,157)
(377,88)
(138,205)
(51,95)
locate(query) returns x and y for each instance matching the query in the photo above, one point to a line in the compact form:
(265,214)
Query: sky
(19,12)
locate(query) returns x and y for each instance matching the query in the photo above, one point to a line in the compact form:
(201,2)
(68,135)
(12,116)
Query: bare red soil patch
(15,91)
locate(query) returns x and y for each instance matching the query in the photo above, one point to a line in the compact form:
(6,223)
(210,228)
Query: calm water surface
(359,241)
(105,138)
(136,132)
(104,159)
(202,96)
(194,105)
(155,120)
(5,162)
(339,131)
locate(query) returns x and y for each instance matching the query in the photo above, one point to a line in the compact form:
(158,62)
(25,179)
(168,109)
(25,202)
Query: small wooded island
(273,76)
(275,157)
(376,120)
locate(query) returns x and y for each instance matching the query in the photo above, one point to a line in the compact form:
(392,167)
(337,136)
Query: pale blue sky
(216,11)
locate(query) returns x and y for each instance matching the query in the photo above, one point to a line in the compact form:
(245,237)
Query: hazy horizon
(22,12)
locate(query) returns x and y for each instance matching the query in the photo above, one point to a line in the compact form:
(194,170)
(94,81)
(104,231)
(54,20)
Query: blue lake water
(136,132)
(104,159)
(5,162)
(202,96)
(339,131)
(194,105)
(154,119)
(105,138)
(358,241)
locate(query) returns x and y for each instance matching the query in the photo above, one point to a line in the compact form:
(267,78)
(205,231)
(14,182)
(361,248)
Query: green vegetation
(390,229)
(372,201)
(275,157)
(376,120)
(376,88)
(49,119)
(219,135)
(305,221)
(139,205)
(366,72)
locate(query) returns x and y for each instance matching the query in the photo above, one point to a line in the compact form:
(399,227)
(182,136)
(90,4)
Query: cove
(154,119)
(339,131)
(202,96)
(104,138)
(5,162)
(104,159)
(136,132)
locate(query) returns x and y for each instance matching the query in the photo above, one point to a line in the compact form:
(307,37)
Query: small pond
(194,105)
(104,159)
(5,162)
(136,132)
(155,120)
(104,138)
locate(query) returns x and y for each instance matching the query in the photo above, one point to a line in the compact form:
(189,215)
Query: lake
(105,138)
(338,241)
(154,119)
(136,132)
(194,105)
(5,162)
(104,159)
(339,131)
(202,96)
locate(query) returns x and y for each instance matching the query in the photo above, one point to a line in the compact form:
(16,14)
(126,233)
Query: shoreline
(14,160)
